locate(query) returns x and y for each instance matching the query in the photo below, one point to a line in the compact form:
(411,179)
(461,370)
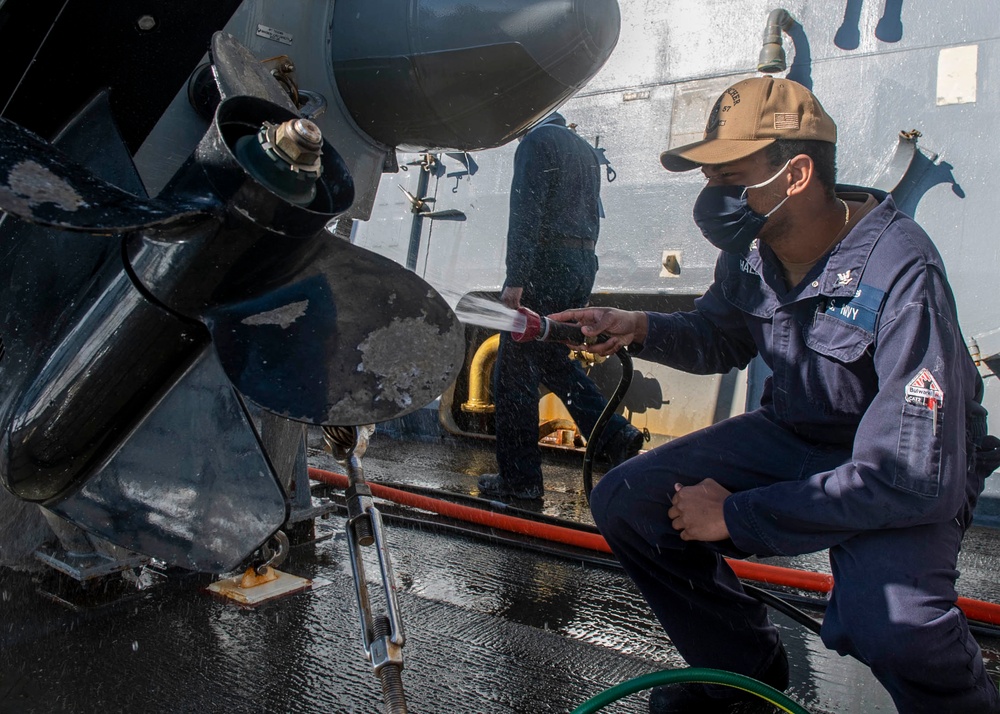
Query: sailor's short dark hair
(823,154)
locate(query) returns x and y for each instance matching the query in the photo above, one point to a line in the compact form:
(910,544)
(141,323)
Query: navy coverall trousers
(567,279)
(907,630)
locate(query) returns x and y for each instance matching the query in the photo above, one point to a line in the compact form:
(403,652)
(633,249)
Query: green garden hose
(686,676)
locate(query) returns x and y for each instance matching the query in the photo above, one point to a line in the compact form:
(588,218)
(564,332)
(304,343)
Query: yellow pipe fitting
(587,359)
(479,377)
(563,432)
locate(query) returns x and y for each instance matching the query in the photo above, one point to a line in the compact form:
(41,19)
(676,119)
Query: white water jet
(475,310)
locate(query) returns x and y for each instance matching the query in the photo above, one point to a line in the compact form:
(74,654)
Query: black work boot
(496,486)
(695,698)
(625,444)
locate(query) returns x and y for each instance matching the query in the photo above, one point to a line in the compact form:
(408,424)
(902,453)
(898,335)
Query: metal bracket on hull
(895,171)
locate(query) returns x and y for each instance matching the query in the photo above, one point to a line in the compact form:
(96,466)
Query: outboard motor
(119,401)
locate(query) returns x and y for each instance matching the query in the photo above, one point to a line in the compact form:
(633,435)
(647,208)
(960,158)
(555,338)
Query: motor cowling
(449,74)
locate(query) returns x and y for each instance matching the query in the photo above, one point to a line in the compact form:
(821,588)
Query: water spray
(476,310)
(526,325)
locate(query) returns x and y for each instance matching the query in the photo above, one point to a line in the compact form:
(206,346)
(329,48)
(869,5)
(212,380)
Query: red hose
(547,531)
(758,572)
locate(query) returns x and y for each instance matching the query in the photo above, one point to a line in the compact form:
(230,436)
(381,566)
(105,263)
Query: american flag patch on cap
(784,120)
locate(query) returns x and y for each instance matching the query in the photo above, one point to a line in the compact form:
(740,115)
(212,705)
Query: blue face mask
(725,219)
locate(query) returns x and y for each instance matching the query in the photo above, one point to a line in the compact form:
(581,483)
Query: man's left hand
(697,513)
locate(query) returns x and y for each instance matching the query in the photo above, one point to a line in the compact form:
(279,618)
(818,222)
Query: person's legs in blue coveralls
(521,367)
(892,602)
(893,608)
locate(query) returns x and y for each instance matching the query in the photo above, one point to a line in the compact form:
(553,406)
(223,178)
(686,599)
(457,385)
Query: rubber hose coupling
(545,330)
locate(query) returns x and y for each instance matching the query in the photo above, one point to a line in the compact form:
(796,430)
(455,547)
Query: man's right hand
(621,327)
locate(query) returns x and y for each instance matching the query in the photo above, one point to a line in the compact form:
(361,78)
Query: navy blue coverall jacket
(860,446)
(555,198)
(848,349)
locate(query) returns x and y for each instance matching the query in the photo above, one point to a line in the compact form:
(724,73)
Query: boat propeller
(229,277)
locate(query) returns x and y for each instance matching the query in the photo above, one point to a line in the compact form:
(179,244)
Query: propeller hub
(286,157)
(297,142)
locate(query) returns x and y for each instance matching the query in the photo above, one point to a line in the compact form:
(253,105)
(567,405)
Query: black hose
(783,606)
(602,421)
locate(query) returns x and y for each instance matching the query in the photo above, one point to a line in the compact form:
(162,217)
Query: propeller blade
(44,270)
(42,185)
(356,339)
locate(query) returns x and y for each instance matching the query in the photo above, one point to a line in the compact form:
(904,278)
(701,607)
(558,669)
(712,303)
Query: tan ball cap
(749,116)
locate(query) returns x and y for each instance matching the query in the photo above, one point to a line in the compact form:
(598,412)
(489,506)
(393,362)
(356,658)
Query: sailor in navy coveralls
(555,215)
(864,441)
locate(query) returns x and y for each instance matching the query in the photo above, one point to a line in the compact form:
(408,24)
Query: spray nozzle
(545,330)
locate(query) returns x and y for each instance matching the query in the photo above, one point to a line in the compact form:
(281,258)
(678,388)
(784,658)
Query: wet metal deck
(491,628)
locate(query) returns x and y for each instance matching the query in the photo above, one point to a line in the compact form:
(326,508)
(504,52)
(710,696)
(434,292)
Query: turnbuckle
(382,635)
